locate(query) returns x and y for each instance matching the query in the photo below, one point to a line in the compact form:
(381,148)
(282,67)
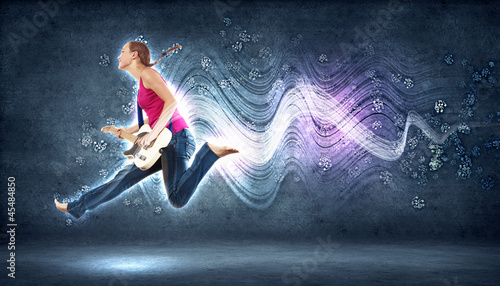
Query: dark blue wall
(55,92)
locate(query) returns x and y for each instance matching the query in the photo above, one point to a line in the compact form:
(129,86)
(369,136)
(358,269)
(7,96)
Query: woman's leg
(123,180)
(181,182)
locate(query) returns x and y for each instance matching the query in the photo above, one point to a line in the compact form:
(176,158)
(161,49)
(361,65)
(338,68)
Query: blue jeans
(180,181)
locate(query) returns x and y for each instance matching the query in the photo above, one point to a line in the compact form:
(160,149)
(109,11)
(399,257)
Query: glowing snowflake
(86,126)
(122,92)
(100,146)
(436,149)
(475,151)
(103,172)
(296,39)
(80,160)
(354,172)
(129,108)
(256,37)
(386,177)
(112,121)
(377,124)
(234,82)
(405,166)
(369,134)
(141,39)
(463,128)
(487,184)
(86,140)
(412,143)
(254,73)
(466,112)
(448,59)
(325,164)
(224,84)
(278,84)
(445,127)
(191,82)
(265,52)
(378,105)
(408,82)
(439,106)
(244,37)
(479,170)
(203,90)
(396,78)
(417,203)
(237,46)
(104,61)
(278,178)
(370,74)
(206,63)
(470,99)
(399,120)
(85,111)
(464,169)
(435,163)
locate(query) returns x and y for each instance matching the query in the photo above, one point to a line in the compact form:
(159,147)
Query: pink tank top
(152,104)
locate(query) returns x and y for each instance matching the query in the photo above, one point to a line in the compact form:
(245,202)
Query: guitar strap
(170,125)
(140,118)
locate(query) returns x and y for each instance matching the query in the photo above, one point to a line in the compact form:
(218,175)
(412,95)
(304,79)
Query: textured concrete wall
(58,89)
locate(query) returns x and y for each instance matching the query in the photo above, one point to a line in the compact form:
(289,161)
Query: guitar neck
(111,129)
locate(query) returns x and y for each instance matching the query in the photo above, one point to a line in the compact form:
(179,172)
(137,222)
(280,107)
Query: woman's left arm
(152,80)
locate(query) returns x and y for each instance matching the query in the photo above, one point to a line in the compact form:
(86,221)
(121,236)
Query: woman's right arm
(132,129)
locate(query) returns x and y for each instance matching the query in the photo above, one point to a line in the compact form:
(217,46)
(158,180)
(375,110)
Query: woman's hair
(143,52)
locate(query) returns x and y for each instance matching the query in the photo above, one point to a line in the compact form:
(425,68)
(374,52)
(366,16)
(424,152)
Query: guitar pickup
(141,157)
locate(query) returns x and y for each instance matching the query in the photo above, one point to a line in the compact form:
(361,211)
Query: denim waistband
(183,134)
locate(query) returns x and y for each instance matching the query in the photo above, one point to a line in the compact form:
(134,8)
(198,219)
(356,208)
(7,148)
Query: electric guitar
(144,157)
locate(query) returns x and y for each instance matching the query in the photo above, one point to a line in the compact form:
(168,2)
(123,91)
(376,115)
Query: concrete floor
(319,262)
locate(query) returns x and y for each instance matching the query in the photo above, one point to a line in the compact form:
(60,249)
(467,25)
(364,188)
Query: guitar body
(143,157)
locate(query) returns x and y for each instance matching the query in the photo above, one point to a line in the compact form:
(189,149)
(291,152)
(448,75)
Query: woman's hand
(118,132)
(130,130)
(146,140)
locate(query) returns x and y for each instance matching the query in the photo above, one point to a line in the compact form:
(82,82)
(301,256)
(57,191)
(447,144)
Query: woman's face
(126,57)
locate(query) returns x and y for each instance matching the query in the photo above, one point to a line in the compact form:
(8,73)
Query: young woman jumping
(159,104)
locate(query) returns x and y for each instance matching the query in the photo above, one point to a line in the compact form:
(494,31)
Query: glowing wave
(286,128)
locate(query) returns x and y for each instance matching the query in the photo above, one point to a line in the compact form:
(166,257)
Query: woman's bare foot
(61,207)
(221,151)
